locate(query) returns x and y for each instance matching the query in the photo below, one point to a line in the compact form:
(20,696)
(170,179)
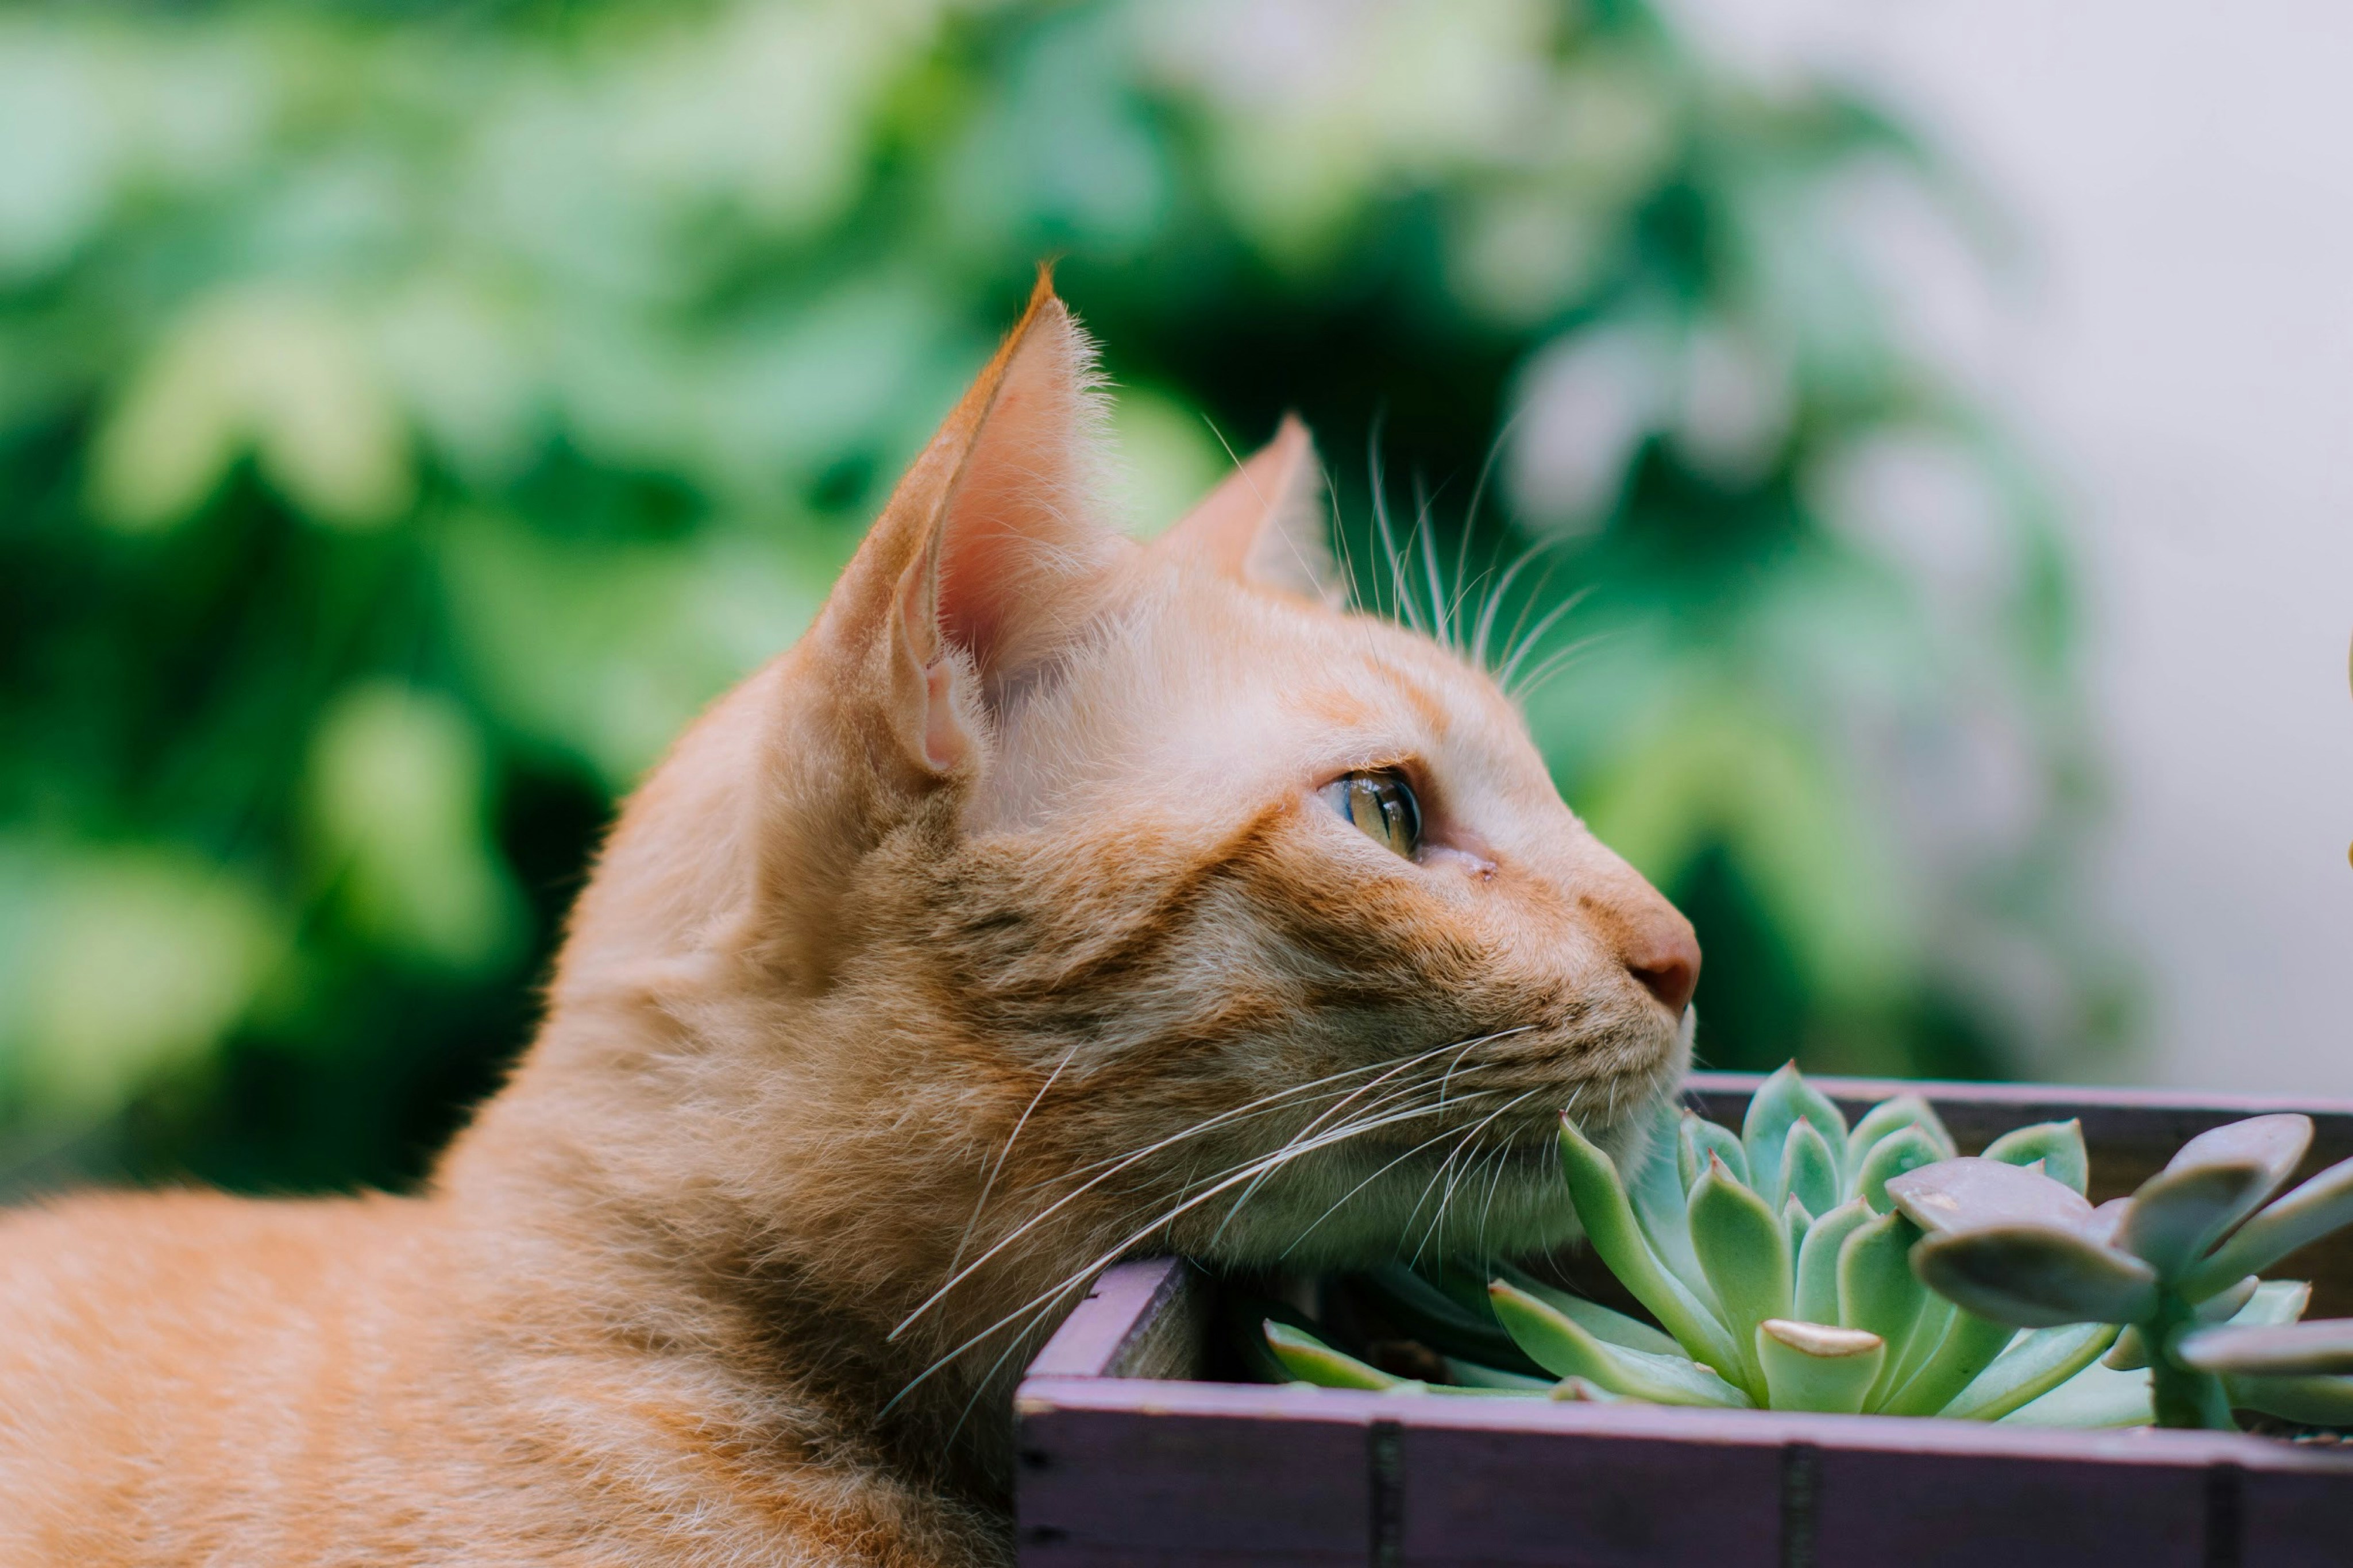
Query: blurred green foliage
(410,414)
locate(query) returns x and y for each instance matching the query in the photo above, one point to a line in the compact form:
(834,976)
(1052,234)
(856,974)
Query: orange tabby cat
(1054,896)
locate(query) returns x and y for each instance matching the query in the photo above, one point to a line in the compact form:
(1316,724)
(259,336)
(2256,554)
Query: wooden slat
(1140,1319)
(1127,1471)
(2299,1518)
(1585,1499)
(1874,1507)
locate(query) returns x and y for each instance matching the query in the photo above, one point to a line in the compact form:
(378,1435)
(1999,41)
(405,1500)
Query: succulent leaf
(1604,1323)
(1697,1139)
(1970,1346)
(1905,1148)
(1810,1170)
(2225,1305)
(1585,1390)
(2035,1364)
(2131,1351)
(2320,1206)
(1818,1260)
(1929,1334)
(1877,1290)
(1815,1366)
(1433,1315)
(1475,1375)
(2059,1145)
(1781,1100)
(1891,1116)
(1561,1346)
(1310,1360)
(1956,1195)
(2182,1210)
(2094,1396)
(2314,1401)
(1460,1283)
(2276,1144)
(1795,1223)
(1743,1246)
(2106,1220)
(2322,1347)
(1657,1197)
(1609,1224)
(2036,1277)
(2274,1302)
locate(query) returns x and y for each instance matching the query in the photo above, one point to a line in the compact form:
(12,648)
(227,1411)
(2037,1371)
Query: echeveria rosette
(1778,1263)
(1791,1265)
(1774,1259)
(2174,1267)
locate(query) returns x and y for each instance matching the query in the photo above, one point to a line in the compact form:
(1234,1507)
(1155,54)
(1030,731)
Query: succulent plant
(1805,1265)
(2175,1265)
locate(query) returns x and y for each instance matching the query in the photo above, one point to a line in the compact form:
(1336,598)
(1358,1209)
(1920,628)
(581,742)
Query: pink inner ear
(1017,538)
(1263,524)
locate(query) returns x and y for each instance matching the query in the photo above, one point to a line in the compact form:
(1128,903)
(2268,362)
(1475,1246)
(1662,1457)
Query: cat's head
(1224,908)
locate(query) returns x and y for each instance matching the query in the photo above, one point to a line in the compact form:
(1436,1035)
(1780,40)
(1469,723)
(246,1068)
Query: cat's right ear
(1265,523)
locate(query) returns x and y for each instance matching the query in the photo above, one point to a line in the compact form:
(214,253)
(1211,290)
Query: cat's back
(171,1361)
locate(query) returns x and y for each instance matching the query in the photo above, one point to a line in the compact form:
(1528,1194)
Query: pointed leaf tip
(1907,1149)
(1824,1340)
(2057,1147)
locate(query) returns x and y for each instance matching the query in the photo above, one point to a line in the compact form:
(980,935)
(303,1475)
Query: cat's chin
(1378,1205)
(1498,1194)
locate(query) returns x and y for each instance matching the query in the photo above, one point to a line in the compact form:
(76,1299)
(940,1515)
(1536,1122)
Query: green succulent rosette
(1804,1264)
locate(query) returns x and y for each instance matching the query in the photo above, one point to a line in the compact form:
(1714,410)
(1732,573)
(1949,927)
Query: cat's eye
(1381,805)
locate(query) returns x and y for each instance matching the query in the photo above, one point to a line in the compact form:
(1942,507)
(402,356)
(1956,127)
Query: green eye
(1381,805)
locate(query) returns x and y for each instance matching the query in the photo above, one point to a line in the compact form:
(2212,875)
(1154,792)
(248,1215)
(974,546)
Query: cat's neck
(788,1269)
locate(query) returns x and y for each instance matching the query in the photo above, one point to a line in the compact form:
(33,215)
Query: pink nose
(1658,949)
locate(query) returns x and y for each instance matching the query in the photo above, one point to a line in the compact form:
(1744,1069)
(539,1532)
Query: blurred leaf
(1717,768)
(396,789)
(1170,455)
(138,959)
(554,358)
(269,372)
(606,650)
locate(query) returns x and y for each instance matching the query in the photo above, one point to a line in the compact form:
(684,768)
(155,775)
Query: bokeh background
(411,413)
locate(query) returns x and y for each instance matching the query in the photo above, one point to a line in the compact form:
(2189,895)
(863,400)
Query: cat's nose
(1658,948)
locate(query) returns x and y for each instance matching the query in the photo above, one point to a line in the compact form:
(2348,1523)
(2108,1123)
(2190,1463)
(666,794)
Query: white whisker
(1125,1162)
(981,1203)
(1159,1222)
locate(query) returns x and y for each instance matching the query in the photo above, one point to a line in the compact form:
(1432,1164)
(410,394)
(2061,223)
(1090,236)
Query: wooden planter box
(1125,1460)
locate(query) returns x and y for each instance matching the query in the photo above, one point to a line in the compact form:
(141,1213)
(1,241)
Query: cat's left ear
(991,555)
(1265,523)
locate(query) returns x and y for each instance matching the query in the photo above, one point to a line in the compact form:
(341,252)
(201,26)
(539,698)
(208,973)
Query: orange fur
(995,929)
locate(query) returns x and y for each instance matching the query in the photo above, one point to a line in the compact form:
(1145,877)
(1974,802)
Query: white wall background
(2179,349)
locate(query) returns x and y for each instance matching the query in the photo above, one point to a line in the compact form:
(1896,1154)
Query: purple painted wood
(1119,1469)
(1584,1498)
(1096,1336)
(1135,1471)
